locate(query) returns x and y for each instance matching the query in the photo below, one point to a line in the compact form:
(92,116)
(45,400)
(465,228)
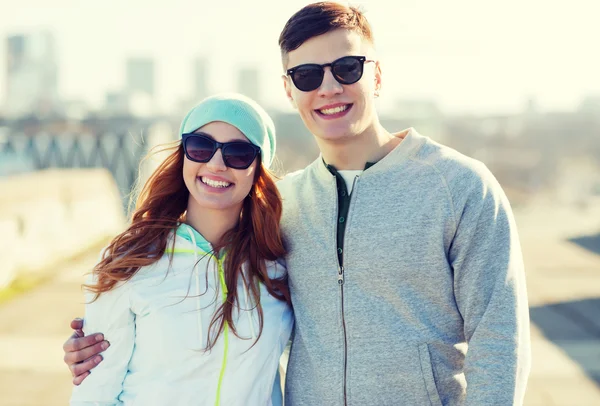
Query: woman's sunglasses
(346,70)
(198,147)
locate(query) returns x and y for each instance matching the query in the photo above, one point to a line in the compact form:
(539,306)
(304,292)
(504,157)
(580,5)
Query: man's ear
(287,85)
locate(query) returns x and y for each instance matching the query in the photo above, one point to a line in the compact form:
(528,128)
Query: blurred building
(422,114)
(115,103)
(296,147)
(200,77)
(137,97)
(249,83)
(590,104)
(140,76)
(31,74)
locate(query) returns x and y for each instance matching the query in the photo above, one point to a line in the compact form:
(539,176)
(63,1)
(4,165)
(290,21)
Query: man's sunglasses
(199,147)
(346,70)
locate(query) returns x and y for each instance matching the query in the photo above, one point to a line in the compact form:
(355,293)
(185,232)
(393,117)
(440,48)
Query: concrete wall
(49,215)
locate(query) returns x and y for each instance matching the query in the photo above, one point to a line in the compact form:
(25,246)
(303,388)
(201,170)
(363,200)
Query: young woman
(191,296)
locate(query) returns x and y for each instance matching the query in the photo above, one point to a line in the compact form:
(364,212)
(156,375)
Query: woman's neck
(212,224)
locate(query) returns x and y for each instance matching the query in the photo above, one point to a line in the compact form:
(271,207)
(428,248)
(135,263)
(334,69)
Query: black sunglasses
(199,147)
(346,70)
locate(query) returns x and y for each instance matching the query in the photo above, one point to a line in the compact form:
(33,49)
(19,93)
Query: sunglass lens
(199,149)
(308,78)
(239,155)
(348,70)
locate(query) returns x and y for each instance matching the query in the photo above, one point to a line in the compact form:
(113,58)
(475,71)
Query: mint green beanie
(239,111)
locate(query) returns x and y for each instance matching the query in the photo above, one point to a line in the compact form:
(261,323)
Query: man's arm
(490,291)
(110,313)
(82,352)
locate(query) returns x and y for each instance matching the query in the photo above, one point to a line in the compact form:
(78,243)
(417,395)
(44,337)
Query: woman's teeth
(334,110)
(215,183)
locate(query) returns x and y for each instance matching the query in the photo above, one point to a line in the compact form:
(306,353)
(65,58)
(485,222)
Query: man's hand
(81,353)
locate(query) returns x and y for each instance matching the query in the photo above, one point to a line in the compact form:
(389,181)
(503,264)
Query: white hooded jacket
(158,324)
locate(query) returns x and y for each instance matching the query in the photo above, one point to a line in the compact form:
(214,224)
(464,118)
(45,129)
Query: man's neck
(212,224)
(353,153)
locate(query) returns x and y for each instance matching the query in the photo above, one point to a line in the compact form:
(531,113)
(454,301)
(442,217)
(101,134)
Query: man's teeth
(215,183)
(334,110)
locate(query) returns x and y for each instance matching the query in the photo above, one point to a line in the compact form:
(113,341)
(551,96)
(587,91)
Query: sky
(469,56)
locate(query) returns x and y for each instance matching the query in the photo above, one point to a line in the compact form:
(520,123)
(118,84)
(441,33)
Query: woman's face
(213,185)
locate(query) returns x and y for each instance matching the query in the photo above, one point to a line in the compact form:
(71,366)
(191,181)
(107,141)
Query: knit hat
(239,111)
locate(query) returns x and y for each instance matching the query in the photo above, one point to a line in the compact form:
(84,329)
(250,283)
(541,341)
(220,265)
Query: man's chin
(337,134)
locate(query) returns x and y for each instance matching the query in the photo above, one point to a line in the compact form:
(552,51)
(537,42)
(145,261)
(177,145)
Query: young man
(405,268)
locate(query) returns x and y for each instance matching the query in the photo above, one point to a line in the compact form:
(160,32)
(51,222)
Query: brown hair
(320,18)
(161,207)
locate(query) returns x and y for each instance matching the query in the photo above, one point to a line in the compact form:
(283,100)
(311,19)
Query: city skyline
(466,57)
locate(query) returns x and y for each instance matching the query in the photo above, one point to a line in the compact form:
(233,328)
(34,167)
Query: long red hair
(160,208)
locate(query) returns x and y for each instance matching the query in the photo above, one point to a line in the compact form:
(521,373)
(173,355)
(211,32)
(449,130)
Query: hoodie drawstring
(197,276)
(248,310)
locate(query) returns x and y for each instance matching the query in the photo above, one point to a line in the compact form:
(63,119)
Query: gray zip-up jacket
(430,307)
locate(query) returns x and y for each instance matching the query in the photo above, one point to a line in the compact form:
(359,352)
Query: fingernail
(105,345)
(99,337)
(97,360)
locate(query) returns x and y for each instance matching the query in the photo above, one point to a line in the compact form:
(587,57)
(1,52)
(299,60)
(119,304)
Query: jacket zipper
(221,273)
(341,283)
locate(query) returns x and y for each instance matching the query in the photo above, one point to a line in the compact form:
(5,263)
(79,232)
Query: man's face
(335,112)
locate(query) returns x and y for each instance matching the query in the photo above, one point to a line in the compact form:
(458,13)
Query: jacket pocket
(427,372)
(390,373)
